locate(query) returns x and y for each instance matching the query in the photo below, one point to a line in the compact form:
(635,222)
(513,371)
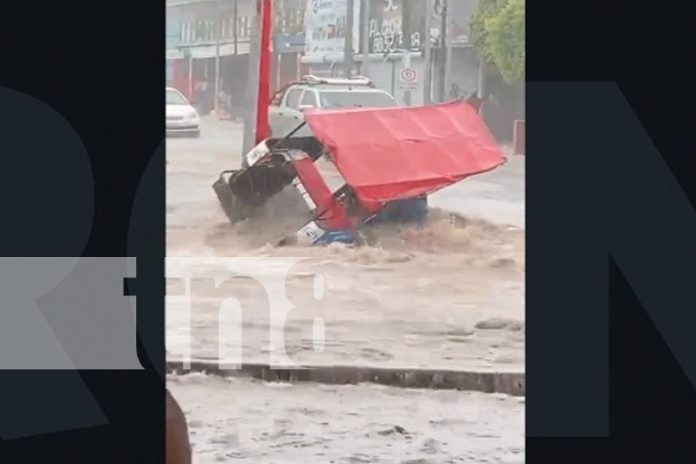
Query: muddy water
(449,294)
(235,420)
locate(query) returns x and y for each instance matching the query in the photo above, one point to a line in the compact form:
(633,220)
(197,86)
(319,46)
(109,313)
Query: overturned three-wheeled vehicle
(389,160)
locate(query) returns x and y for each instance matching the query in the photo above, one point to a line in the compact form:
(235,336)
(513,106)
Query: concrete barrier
(509,383)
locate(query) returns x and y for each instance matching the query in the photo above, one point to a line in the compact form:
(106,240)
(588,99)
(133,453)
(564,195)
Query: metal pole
(348,46)
(406,63)
(218,20)
(190,78)
(236,20)
(252,85)
(448,64)
(298,65)
(365,31)
(278,73)
(265,71)
(443,58)
(393,77)
(427,55)
(481,77)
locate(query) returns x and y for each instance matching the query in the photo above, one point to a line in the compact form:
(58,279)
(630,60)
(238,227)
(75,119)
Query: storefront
(287,51)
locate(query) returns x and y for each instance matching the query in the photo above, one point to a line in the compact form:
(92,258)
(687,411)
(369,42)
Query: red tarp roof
(387,154)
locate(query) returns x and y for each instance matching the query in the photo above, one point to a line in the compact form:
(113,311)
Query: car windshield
(356,99)
(175,98)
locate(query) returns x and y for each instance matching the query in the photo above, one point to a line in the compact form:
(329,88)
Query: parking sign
(408,78)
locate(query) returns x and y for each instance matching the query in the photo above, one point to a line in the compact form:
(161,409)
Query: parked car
(285,113)
(182,117)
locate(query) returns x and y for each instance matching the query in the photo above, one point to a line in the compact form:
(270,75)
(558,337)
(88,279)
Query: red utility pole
(264,97)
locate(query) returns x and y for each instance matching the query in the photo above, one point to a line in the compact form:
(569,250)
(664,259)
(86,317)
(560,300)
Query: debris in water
(497,323)
(396,429)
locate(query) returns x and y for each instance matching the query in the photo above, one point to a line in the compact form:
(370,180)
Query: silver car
(285,113)
(182,118)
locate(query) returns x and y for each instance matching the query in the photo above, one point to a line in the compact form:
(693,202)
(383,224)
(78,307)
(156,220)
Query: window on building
(210,31)
(243,28)
(198,31)
(185,32)
(227,30)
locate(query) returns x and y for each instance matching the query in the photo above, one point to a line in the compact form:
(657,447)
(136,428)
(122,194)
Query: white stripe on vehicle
(309,234)
(297,183)
(256,153)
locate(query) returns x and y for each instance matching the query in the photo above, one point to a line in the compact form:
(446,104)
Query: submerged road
(244,421)
(449,297)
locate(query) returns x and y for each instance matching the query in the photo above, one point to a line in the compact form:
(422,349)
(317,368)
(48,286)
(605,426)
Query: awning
(174,54)
(322,59)
(207,51)
(338,57)
(387,154)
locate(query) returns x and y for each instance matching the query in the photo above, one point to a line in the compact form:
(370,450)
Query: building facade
(309,36)
(390,35)
(205,35)
(390,39)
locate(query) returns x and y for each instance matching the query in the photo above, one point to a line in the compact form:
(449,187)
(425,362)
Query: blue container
(338,236)
(404,211)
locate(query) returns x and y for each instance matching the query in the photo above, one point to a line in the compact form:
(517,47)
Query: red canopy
(388,154)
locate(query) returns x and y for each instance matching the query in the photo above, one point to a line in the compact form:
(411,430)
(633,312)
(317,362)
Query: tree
(498,32)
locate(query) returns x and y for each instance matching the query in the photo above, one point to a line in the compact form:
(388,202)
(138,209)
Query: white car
(285,113)
(182,118)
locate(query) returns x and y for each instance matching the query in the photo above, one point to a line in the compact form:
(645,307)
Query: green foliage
(486,9)
(498,32)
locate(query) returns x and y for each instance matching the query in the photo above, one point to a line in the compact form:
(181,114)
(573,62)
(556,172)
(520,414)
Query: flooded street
(236,420)
(450,296)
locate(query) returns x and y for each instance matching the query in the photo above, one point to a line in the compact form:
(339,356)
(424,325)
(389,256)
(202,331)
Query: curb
(509,383)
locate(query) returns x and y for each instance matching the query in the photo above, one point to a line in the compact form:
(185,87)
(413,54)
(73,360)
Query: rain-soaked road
(254,422)
(450,295)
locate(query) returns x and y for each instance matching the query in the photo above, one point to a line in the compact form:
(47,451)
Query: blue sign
(289,43)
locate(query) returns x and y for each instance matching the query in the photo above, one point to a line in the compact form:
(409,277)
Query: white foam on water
(249,421)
